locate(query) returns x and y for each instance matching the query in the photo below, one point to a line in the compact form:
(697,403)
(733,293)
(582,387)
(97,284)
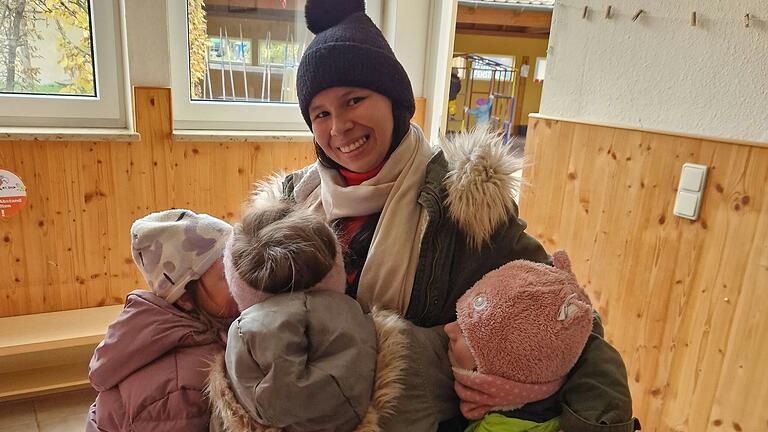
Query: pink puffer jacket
(151,368)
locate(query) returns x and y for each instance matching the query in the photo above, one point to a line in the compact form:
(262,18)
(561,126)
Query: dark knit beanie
(350,51)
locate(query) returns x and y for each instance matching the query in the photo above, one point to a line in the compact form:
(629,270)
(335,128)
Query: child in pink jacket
(519,331)
(151,367)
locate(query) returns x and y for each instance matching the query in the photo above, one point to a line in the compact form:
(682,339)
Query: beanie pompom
(324,14)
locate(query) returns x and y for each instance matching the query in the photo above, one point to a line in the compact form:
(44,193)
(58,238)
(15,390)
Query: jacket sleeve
(428,397)
(596,395)
(107,413)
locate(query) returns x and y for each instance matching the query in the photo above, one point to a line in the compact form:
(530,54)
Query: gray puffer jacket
(313,361)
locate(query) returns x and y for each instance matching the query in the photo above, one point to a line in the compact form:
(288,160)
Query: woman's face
(353,126)
(212,292)
(458,350)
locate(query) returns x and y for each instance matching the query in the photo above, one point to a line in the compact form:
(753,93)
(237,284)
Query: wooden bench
(49,352)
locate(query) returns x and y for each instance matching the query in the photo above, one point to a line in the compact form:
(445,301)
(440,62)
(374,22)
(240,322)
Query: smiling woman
(353,127)
(418,225)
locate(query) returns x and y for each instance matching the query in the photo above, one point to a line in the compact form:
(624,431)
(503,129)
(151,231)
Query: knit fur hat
(174,247)
(350,51)
(527,322)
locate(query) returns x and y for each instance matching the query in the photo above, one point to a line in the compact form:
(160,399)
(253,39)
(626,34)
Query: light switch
(685,204)
(690,191)
(692,177)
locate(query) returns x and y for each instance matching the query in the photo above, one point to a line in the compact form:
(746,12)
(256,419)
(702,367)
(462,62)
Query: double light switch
(690,191)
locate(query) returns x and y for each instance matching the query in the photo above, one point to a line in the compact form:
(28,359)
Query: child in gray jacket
(303,356)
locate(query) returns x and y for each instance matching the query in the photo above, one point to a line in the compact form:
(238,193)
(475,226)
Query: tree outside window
(46,47)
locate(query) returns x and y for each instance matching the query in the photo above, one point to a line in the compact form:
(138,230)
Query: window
(49,48)
(279,53)
(234,63)
(541,68)
(492,67)
(459,65)
(61,64)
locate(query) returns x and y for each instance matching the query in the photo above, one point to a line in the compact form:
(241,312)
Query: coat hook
(584,14)
(608,12)
(637,15)
(693,19)
(746,20)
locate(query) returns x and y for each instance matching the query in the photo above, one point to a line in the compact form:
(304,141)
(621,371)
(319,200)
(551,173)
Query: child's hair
(279,248)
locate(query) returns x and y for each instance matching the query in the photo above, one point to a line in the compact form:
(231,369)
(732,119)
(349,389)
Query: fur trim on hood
(388,386)
(480,182)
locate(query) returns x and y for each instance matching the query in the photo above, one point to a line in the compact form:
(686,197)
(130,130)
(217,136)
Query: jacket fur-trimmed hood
(481,184)
(392,343)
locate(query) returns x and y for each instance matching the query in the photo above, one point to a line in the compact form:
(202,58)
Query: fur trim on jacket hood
(388,386)
(481,184)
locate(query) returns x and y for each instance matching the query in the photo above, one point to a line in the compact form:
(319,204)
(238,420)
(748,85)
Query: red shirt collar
(355,179)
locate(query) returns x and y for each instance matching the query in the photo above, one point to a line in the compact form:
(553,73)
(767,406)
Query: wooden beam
(502,33)
(510,17)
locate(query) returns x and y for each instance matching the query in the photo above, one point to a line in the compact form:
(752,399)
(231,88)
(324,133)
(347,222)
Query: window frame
(218,115)
(493,57)
(109,108)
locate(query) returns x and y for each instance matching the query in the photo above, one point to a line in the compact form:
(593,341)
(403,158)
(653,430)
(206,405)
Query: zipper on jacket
(428,287)
(436,246)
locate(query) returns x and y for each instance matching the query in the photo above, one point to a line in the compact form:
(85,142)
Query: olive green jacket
(472,228)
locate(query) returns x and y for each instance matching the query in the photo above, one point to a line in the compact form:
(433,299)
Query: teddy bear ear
(561,261)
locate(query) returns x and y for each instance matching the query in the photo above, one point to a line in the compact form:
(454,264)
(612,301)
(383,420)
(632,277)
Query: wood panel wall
(686,302)
(69,247)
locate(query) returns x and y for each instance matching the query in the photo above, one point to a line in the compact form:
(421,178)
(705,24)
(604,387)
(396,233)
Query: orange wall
(509,46)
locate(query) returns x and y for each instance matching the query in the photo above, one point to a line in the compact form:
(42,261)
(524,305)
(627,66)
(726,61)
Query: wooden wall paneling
(741,173)
(13,255)
(661,282)
(747,349)
(69,247)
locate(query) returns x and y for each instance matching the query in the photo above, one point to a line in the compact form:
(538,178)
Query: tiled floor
(63,412)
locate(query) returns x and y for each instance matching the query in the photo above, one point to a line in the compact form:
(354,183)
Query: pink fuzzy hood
(527,323)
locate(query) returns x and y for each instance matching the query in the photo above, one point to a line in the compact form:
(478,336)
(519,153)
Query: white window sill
(67,134)
(241,136)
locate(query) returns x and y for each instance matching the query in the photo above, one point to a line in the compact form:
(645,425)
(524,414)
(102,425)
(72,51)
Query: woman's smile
(354,145)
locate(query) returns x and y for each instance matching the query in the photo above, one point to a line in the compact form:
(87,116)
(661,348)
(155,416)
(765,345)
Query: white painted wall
(148,51)
(405,25)
(442,29)
(661,73)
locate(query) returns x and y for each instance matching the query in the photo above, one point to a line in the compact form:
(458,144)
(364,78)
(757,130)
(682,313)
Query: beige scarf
(387,276)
